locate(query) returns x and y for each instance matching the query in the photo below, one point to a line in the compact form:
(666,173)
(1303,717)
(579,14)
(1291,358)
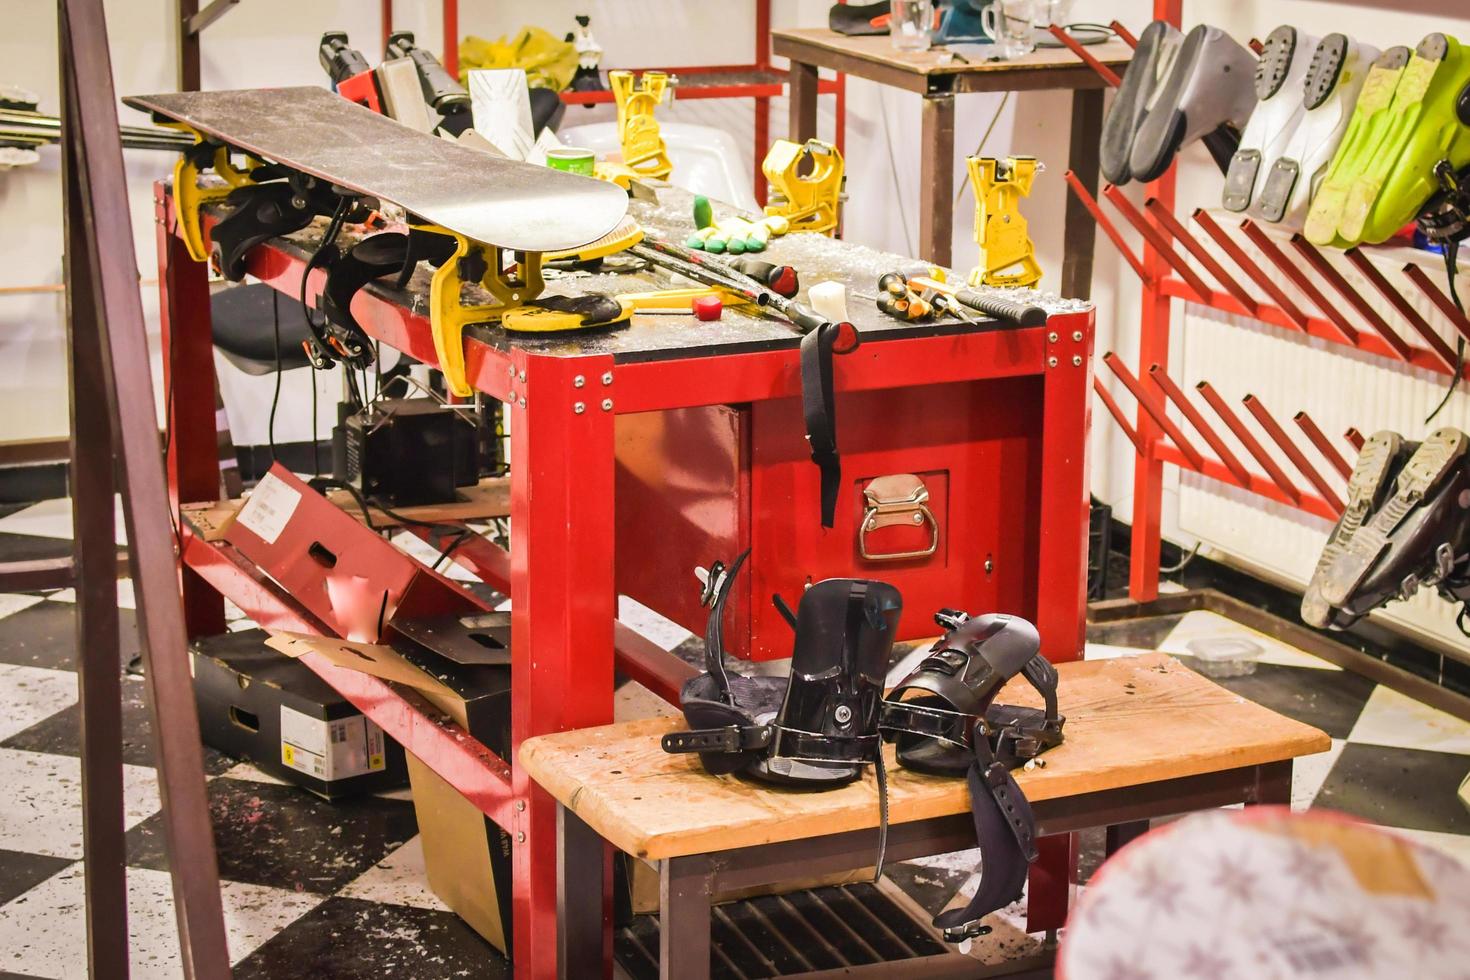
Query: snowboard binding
(943,721)
(817,728)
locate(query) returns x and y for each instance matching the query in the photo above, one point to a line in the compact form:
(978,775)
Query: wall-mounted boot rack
(1177,262)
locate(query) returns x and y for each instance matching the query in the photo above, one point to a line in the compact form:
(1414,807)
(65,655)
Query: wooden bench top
(1131,720)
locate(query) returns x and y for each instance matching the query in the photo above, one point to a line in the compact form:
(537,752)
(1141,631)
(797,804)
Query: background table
(939,78)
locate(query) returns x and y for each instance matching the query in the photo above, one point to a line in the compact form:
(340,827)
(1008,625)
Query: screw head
(842,715)
(1051,362)
(607,404)
(578,381)
(607,377)
(523,374)
(1052,337)
(520,836)
(918,518)
(523,401)
(1077,335)
(521,806)
(579,407)
(511,370)
(1076,360)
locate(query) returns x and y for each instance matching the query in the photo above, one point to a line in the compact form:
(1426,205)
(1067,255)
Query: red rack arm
(1355,438)
(1256,45)
(1324,446)
(1345,330)
(1117,413)
(1441,302)
(1071,43)
(1175,395)
(1124,34)
(1259,485)
(1159,241)
(1343,288)
(1192,245)
(1154,410)
(1298,459)
(1106,223)
(1436,343)
(1251,270)
(1233,423)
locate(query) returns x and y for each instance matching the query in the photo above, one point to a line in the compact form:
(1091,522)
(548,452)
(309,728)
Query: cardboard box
(254,703)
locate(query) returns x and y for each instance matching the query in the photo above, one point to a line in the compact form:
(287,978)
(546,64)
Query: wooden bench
(1146,737)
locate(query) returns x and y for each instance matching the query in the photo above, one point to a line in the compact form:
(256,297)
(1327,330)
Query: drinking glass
(909,23)
(1008,22)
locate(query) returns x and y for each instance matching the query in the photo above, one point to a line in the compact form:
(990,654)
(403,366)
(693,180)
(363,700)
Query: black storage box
(257,704)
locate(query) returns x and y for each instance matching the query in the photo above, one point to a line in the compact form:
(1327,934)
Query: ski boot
(1281,72)
(1433,106)
(943,721)
(1380,458)
(1209,86)
(1329,92)
(1152,59)
(1429,500)
(1366,134)
(817,728)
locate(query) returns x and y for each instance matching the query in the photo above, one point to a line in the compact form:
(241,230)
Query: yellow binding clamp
(189,196)
(644,151)
(484,265)
(1007,257)
(536,318)
(806,184)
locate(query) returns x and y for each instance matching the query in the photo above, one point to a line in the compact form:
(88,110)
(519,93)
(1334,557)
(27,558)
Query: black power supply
(409,451)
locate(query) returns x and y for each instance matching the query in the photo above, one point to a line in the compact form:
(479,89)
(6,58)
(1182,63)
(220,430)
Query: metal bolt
(843,714)
(578,381)
(918,518)
(1051,338)
(521,805)
(512,369)
(989,564)
(523,401)
(607,377)
(1076,360)
(579,407)
(520,836)
(607,404)
(1077,335)
(523,374)
(1051,362)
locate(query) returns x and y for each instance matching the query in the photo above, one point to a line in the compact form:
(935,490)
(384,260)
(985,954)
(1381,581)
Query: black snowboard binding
(817,728)
(943,720)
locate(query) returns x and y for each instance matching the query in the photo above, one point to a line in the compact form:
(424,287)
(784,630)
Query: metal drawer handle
(898,499)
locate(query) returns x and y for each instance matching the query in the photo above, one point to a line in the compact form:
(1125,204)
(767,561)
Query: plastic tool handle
(1021,314)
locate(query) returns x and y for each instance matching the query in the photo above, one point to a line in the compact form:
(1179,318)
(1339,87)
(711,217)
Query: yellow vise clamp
(810,200)
(644,151)
(509,289)
(189,196)
(1000,229)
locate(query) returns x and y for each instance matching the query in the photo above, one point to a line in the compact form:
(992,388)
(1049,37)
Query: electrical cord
(270,430)
(1451,270)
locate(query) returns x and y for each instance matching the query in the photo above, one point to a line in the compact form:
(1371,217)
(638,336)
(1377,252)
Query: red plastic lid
(708,308)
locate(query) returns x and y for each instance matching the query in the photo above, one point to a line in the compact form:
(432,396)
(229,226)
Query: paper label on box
(269,508)
(330,750)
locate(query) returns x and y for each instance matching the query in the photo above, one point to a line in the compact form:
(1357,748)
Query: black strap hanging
(818,407)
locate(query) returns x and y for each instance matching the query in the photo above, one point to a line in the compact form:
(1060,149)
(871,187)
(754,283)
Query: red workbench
(562,397)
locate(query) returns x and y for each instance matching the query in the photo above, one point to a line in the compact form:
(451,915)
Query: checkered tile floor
(338,889)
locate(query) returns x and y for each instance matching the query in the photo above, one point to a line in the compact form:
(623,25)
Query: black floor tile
(1406,788)
(1330,700)
(1146,634)
(45,635)
(61,733)
(284,837)
(931,887)
(20,872)
(345,939)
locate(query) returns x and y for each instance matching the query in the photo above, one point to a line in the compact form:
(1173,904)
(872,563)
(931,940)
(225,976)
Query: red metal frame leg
(188,381)
(562,605)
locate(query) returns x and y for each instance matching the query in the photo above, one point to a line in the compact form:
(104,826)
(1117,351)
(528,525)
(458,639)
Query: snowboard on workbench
(487,199)
(328,150)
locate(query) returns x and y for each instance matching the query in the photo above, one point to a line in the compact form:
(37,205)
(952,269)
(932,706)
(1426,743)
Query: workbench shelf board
(1129,721)
(566,641)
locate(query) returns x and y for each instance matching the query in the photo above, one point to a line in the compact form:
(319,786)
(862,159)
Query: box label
(330,750)
(269,508)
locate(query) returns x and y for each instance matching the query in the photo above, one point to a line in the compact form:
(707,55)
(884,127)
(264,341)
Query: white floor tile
(43,932)
(1104,651)
(1309,772)
(125,596)
(398,879)
(252,774)
(1201,624)
(11,602)
(52,519)
(1391,718)
(43,809)
(32,694)
(652,626)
